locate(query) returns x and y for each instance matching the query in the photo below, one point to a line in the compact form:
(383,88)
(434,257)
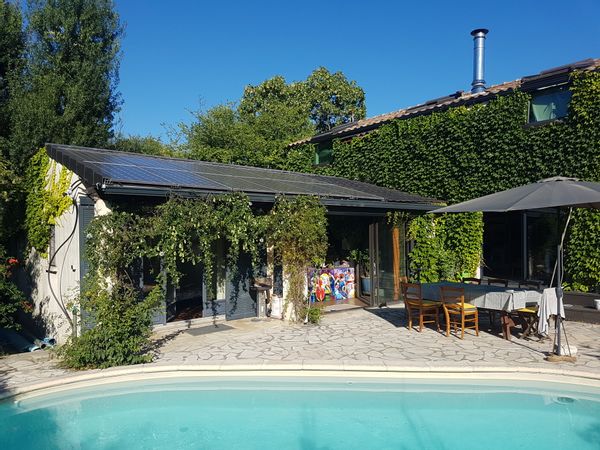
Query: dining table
(493,298)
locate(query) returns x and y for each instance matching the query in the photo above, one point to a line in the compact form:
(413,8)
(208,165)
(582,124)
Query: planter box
(580,307)
(365,285)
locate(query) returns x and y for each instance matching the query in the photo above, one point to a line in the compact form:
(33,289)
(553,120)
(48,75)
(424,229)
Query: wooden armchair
(427,311)
(457,312)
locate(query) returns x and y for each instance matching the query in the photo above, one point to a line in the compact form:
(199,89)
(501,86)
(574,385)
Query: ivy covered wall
(463,153)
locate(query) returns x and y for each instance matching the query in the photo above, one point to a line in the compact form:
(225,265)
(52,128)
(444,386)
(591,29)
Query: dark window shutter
(86,214)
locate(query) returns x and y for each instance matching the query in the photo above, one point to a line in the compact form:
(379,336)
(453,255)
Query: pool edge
(353,369)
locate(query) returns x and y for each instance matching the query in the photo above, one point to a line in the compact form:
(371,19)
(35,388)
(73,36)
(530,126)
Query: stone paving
(358,337)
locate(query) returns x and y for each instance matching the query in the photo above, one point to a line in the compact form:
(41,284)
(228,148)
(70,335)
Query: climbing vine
(297,229)
(46,199)
(119,311)
(443,250)
(463,153)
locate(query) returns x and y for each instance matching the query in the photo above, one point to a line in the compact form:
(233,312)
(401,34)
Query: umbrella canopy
(549,193)
(552,192)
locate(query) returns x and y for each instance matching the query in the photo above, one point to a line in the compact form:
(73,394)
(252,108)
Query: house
(538,138)
(102,180)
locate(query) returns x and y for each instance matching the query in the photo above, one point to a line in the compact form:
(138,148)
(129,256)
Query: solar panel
(129,173)
(129,168)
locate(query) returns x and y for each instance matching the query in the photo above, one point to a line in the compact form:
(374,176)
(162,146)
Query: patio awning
(121,173)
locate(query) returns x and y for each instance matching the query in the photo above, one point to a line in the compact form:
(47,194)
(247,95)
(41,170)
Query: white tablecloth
(489,297)
(548,307)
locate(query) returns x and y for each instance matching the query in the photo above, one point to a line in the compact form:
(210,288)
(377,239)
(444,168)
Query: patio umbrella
(555,192)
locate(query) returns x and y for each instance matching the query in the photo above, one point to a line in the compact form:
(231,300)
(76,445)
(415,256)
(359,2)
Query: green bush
(313,313)
(11,297)
(117,327)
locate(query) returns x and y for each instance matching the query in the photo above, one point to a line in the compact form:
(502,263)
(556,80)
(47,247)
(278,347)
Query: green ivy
(463,153)
(297,229)
(46,199)
(180,230)
(582,260)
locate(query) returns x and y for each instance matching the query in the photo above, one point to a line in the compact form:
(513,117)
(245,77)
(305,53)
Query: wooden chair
(471,280)
(497,282)
(428,311)
(457,312)
(530,284)
(528,316)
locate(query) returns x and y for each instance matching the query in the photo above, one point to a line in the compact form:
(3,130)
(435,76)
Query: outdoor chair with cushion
(427,311)
(471,280)
(457,312)
(528,316)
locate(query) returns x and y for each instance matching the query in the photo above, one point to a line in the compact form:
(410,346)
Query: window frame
(563,87)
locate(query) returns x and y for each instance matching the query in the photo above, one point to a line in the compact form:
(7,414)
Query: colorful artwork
(331,284)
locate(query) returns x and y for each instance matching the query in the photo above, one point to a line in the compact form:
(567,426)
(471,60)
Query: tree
(327,99)
(11,54)
(67,91)
(223,134)
(271,115)
(147,145)
(332,99)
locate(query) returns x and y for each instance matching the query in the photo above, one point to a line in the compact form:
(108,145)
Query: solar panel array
(120,168)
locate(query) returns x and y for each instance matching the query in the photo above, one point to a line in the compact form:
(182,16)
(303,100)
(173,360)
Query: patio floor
(349,338)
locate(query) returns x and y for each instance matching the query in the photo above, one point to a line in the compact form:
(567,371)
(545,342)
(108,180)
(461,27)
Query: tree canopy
(148,145)
(67,90)
(12,43)
(270,115)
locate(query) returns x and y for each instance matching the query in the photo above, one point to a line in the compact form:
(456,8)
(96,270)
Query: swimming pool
(305,413)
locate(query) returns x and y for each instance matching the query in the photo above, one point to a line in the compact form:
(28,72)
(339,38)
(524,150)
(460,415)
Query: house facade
(103,180)
(469,144)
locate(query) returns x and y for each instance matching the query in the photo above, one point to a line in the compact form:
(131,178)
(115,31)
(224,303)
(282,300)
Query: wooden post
(396,252)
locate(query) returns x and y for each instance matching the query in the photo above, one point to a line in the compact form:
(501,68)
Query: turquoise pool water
(305,414)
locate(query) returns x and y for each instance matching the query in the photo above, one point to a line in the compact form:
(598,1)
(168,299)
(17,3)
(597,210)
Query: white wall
(55,288)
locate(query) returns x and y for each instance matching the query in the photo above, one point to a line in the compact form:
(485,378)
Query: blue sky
(180,55)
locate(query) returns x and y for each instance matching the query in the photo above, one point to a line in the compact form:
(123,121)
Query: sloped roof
(118,173)
(545,78)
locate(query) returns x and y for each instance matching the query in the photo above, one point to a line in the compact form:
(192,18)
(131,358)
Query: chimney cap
(479,30)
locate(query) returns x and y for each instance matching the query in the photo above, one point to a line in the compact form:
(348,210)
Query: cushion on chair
(457,306)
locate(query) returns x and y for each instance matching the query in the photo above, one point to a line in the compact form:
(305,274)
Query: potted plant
(363,263)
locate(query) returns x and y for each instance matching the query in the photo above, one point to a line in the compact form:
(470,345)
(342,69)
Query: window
(52,249)
(549,104)
(324,154)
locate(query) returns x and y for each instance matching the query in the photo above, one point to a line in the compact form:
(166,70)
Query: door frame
(374,262)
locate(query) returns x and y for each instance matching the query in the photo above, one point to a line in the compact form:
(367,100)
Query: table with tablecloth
(495,298)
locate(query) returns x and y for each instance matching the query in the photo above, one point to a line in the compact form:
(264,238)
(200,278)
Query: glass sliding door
(388,262)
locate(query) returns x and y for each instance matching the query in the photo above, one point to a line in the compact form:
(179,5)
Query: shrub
(11,298)
(312,313)
(117,323)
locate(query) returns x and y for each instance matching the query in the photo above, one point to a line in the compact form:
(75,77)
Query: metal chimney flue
(478,84)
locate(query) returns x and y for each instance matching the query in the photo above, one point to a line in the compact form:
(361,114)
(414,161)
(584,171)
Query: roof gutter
(126,190)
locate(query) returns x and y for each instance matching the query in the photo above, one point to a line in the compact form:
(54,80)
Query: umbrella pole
(559,278)
(558,297)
